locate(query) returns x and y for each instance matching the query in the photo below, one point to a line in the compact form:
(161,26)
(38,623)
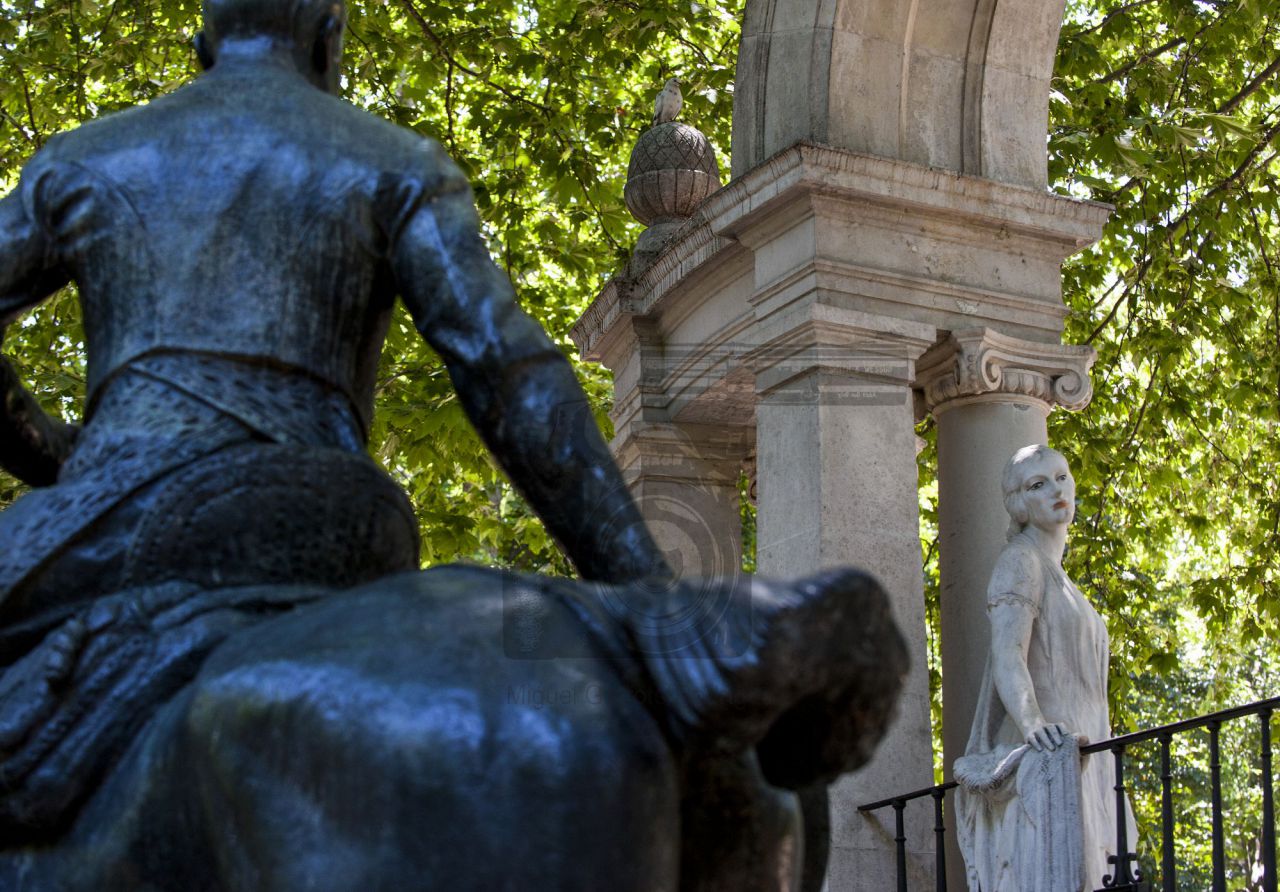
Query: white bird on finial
(668,103)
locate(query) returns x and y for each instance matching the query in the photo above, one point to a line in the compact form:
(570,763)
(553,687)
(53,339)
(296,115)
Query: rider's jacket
(249,216)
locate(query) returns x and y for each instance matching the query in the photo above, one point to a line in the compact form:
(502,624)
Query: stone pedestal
(990,395)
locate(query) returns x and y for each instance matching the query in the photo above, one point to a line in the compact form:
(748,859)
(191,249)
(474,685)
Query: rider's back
(247,214)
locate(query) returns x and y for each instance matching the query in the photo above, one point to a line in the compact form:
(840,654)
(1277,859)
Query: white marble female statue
(1031,817)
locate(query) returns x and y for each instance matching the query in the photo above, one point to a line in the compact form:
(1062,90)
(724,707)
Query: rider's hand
(33,444)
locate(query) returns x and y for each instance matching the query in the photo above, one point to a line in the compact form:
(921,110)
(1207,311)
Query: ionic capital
(979,364)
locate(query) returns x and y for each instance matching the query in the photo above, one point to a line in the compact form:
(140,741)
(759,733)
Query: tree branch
(1143,266)
(17,125)
(1121,189)
(31,112)
(1236,175)
(443,50)
(1250,88)
(448,107)
(1120,10)
(1140,59)
(695,49)
(1163,48)
(586,195)
(1114,285)
(377,69)
(1226,108)
(1095,519)
(1275,301)
(1212,444)
(106,23)
(515,97)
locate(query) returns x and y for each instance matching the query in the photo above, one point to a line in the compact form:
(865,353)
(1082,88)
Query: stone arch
(956,84)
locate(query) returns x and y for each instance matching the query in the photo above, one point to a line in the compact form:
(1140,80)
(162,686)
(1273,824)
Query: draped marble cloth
(1000,820)
(1046,787)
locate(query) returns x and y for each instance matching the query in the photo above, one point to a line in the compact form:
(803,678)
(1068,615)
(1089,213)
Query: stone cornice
(982,364)
(1074,223)
(634,291)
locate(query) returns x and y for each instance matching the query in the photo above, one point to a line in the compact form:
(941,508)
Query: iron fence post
(1268,807)
(1167,866)
(900,840)
(1215,792)
(940,840)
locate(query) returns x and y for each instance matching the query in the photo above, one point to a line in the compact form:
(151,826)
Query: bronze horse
(468,729)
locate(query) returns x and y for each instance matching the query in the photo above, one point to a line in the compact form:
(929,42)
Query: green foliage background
(1168,109)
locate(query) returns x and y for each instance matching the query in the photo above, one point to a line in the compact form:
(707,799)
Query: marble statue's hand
(1046,736)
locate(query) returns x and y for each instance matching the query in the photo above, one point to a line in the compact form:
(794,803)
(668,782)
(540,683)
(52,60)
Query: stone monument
(885,250)
(1031,819)
(220,668)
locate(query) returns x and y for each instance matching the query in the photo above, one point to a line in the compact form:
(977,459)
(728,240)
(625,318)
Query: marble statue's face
(1049,492)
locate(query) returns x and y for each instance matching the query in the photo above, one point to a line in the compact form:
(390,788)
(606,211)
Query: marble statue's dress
(1067,658)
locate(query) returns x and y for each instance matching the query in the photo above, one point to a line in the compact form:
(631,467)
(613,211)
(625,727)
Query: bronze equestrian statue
(220,667)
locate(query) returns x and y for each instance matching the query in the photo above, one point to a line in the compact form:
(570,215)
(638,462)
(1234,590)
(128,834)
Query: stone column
(837,484)
(684,477)
(990,394)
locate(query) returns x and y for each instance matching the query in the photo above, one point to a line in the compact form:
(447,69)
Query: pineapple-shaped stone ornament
(673,169)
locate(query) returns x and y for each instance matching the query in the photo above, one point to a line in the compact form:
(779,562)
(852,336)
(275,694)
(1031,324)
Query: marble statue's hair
(1011,484)
(285,18)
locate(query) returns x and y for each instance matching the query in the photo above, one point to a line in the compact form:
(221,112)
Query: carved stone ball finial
(673,168)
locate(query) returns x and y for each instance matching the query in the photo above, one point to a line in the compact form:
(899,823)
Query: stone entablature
(862,234)
(959,210)
(980,363)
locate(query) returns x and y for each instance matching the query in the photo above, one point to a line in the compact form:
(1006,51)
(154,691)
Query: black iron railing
(1125,876)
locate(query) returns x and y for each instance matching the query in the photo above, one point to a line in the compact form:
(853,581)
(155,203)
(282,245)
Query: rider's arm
(517,388)
(33,445)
